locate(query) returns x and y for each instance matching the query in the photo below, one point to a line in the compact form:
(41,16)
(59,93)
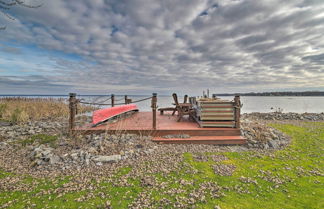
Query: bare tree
(6,5)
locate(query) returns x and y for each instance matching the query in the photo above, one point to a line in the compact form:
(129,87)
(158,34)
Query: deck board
(141,123)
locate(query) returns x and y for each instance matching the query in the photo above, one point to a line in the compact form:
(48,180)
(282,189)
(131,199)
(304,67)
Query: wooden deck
(141,123)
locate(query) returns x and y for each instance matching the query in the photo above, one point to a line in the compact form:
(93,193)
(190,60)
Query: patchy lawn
(289,178)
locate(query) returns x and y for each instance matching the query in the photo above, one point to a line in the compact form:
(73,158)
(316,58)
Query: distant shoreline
(266,94)
(298,94)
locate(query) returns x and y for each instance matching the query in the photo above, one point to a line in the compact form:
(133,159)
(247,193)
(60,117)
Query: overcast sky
(145,46)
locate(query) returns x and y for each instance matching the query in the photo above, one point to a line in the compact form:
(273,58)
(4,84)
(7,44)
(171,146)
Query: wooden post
(154,106)
(126,100)
(112,100)
(72,107)
(237,104)
(185,98)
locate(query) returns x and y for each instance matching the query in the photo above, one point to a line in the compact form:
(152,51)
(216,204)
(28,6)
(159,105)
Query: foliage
(2,109)
(20,109)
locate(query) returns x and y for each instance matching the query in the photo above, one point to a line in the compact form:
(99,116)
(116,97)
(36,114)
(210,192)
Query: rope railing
(73,106)
(105,100)
(101,104)
(117,100)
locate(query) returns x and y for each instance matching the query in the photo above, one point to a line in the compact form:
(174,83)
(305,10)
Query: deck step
(202,140)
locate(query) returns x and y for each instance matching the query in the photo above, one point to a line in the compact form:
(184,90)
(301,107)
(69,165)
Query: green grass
(289,178)
(40,139)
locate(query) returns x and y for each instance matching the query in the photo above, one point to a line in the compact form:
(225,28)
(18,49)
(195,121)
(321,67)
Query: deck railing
(73,102)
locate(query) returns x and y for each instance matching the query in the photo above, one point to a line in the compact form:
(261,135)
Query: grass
(289,178)
(21,109)
(40,139)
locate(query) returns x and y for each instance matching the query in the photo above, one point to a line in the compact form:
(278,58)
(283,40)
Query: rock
(5,123)
(138,146)
(31,132)
(54,159)
(106,159)
(3,145)
(266,146)
(43,155)
(273,144)
(92,150)
(75,156)
(46,152)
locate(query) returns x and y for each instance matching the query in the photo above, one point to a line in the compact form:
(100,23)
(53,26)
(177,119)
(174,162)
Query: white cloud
(166,46)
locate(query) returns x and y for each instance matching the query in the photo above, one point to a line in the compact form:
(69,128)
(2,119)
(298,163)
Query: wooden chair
(185,98)
(183,108)
(173,109)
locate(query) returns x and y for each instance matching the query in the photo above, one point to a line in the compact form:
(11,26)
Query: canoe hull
(103,115)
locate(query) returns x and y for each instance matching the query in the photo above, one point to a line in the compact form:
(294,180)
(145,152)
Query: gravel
(98,150)
(100,157)
(284,116)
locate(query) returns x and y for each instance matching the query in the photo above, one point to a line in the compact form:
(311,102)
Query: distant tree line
(280,93)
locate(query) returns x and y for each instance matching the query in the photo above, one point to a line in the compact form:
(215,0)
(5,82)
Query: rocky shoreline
(284,116)
(99,150)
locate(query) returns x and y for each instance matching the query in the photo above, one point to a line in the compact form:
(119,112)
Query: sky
(146,46)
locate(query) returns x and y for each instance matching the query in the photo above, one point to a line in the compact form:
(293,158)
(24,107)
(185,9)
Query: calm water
(250,104)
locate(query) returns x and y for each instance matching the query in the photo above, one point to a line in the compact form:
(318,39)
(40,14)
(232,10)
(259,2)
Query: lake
(250,103)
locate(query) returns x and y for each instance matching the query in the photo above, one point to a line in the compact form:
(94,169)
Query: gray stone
(46,152)
(4,123)
(31,132)
(87,161)
(3,145)
(92,150)
(106,159)
(54,159)
(74,156)
(273,144)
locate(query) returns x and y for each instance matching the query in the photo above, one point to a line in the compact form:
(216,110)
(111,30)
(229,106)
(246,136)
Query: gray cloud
(11,50)
(146,45)
(31,85)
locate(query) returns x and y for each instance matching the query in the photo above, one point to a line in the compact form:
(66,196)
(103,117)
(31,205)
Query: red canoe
(102,115)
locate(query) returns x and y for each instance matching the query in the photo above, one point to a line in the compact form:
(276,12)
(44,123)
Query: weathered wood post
(73,109)
(112,100)
(185,98)
(237,104)
(126,99)
(154,106)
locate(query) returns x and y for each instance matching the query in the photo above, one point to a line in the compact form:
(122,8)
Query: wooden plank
(216,106)
(215,131)
(220,115)
(202,140)
(217,111)
(216,118)
(212,102)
